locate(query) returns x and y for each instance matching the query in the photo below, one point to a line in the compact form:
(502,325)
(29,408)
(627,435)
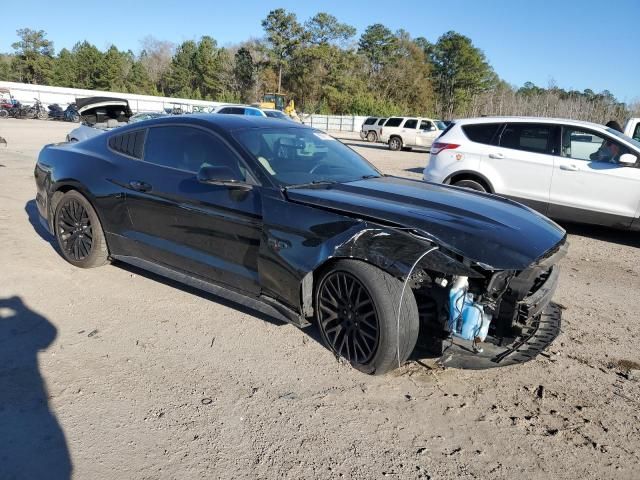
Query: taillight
(380,132)
(437,147)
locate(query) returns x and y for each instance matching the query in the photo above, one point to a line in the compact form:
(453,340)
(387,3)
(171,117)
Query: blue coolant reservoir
(467,319)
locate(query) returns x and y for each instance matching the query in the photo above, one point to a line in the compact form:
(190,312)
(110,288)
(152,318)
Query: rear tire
(357,313)
(4,113)
(471,185)
(372,136)
(395,144)
(79,233)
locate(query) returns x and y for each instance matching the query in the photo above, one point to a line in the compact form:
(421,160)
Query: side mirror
(627,159)
(221,175)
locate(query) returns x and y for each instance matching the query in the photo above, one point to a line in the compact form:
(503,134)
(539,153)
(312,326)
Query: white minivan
(566,169)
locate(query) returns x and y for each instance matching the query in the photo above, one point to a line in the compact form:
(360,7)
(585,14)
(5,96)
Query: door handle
(569,168)
(139,186)
(496,155)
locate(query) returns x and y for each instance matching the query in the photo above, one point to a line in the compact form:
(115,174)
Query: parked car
(288,216)
(566,169)
(273,113)
(410,132)
(370,129)
(239,110)
(632,128)
(139,117)
(99,115)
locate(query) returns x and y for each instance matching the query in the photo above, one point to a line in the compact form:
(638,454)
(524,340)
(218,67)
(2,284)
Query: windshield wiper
(310,184)
(364,177)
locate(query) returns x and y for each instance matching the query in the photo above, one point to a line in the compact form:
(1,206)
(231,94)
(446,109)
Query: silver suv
(409,132)
(370,129)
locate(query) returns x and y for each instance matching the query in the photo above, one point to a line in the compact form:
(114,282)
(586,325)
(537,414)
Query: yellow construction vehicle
(278,101)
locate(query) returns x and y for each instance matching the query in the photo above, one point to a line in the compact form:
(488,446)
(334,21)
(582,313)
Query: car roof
(412,117)
(515,119)
(219,122)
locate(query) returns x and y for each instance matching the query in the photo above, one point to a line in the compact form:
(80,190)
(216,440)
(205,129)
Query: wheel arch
(391,250)
(470,175)
(64,186)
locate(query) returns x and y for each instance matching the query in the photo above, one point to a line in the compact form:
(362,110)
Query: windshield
(294,156)
(632,141)
(276,114)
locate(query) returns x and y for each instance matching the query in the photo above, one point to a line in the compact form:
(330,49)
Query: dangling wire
(404,287)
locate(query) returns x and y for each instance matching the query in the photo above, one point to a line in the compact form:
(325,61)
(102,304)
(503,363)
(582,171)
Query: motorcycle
(70,114)
(16,110)
(37,110)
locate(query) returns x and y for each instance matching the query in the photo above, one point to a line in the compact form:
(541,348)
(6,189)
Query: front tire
(395,144)
(471,185)
(79,233)
(357,312)
(372,136)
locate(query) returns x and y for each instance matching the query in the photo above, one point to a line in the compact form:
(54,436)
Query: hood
(486,229)
(85,104)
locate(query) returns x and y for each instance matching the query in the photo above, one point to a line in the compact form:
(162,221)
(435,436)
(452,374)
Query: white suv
(370,129)
(566,169)
(409,132)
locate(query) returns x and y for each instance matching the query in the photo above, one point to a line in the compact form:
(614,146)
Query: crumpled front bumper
(540,322)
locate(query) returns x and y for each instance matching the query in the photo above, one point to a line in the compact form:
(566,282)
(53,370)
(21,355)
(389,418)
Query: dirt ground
(113,373)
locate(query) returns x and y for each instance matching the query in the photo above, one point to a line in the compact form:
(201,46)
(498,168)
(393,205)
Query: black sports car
(287,215)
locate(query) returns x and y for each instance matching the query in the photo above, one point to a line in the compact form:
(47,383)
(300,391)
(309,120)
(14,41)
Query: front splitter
(535,337)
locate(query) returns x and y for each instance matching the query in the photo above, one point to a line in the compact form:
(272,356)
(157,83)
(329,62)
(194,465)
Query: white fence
(340,123)
(26,93)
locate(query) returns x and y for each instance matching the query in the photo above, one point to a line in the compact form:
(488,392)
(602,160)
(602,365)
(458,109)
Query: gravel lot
(114,373)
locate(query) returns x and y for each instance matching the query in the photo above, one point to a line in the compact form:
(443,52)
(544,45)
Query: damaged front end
(496,319)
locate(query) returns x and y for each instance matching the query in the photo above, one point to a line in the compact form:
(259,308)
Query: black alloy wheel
(347,317)
(79,232)
(75,230)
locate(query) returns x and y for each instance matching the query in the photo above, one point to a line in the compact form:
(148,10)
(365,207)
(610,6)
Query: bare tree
(156,58)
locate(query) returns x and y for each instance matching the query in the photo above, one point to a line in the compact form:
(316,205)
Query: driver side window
(590,147)
(426,125)
(188,149)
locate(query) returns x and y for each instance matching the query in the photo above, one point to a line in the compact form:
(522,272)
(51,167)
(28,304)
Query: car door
(409,132)
(523,159)
(589,185)
(427,133)
(210,231)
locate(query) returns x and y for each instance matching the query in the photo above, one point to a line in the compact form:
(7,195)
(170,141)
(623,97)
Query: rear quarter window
(394,122)
(130,143)
(370,121)
(480,133)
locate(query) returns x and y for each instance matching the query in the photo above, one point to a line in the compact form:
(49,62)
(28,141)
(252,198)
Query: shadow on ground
(253,308)
(32,443)
(605,234)
(34,219)
(239,303)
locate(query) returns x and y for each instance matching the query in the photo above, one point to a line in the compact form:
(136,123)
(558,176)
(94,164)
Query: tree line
(319,63)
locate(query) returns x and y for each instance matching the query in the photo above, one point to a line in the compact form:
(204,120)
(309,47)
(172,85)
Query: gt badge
(459,156)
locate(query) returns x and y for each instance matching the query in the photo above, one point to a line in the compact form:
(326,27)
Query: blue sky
(579,44)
